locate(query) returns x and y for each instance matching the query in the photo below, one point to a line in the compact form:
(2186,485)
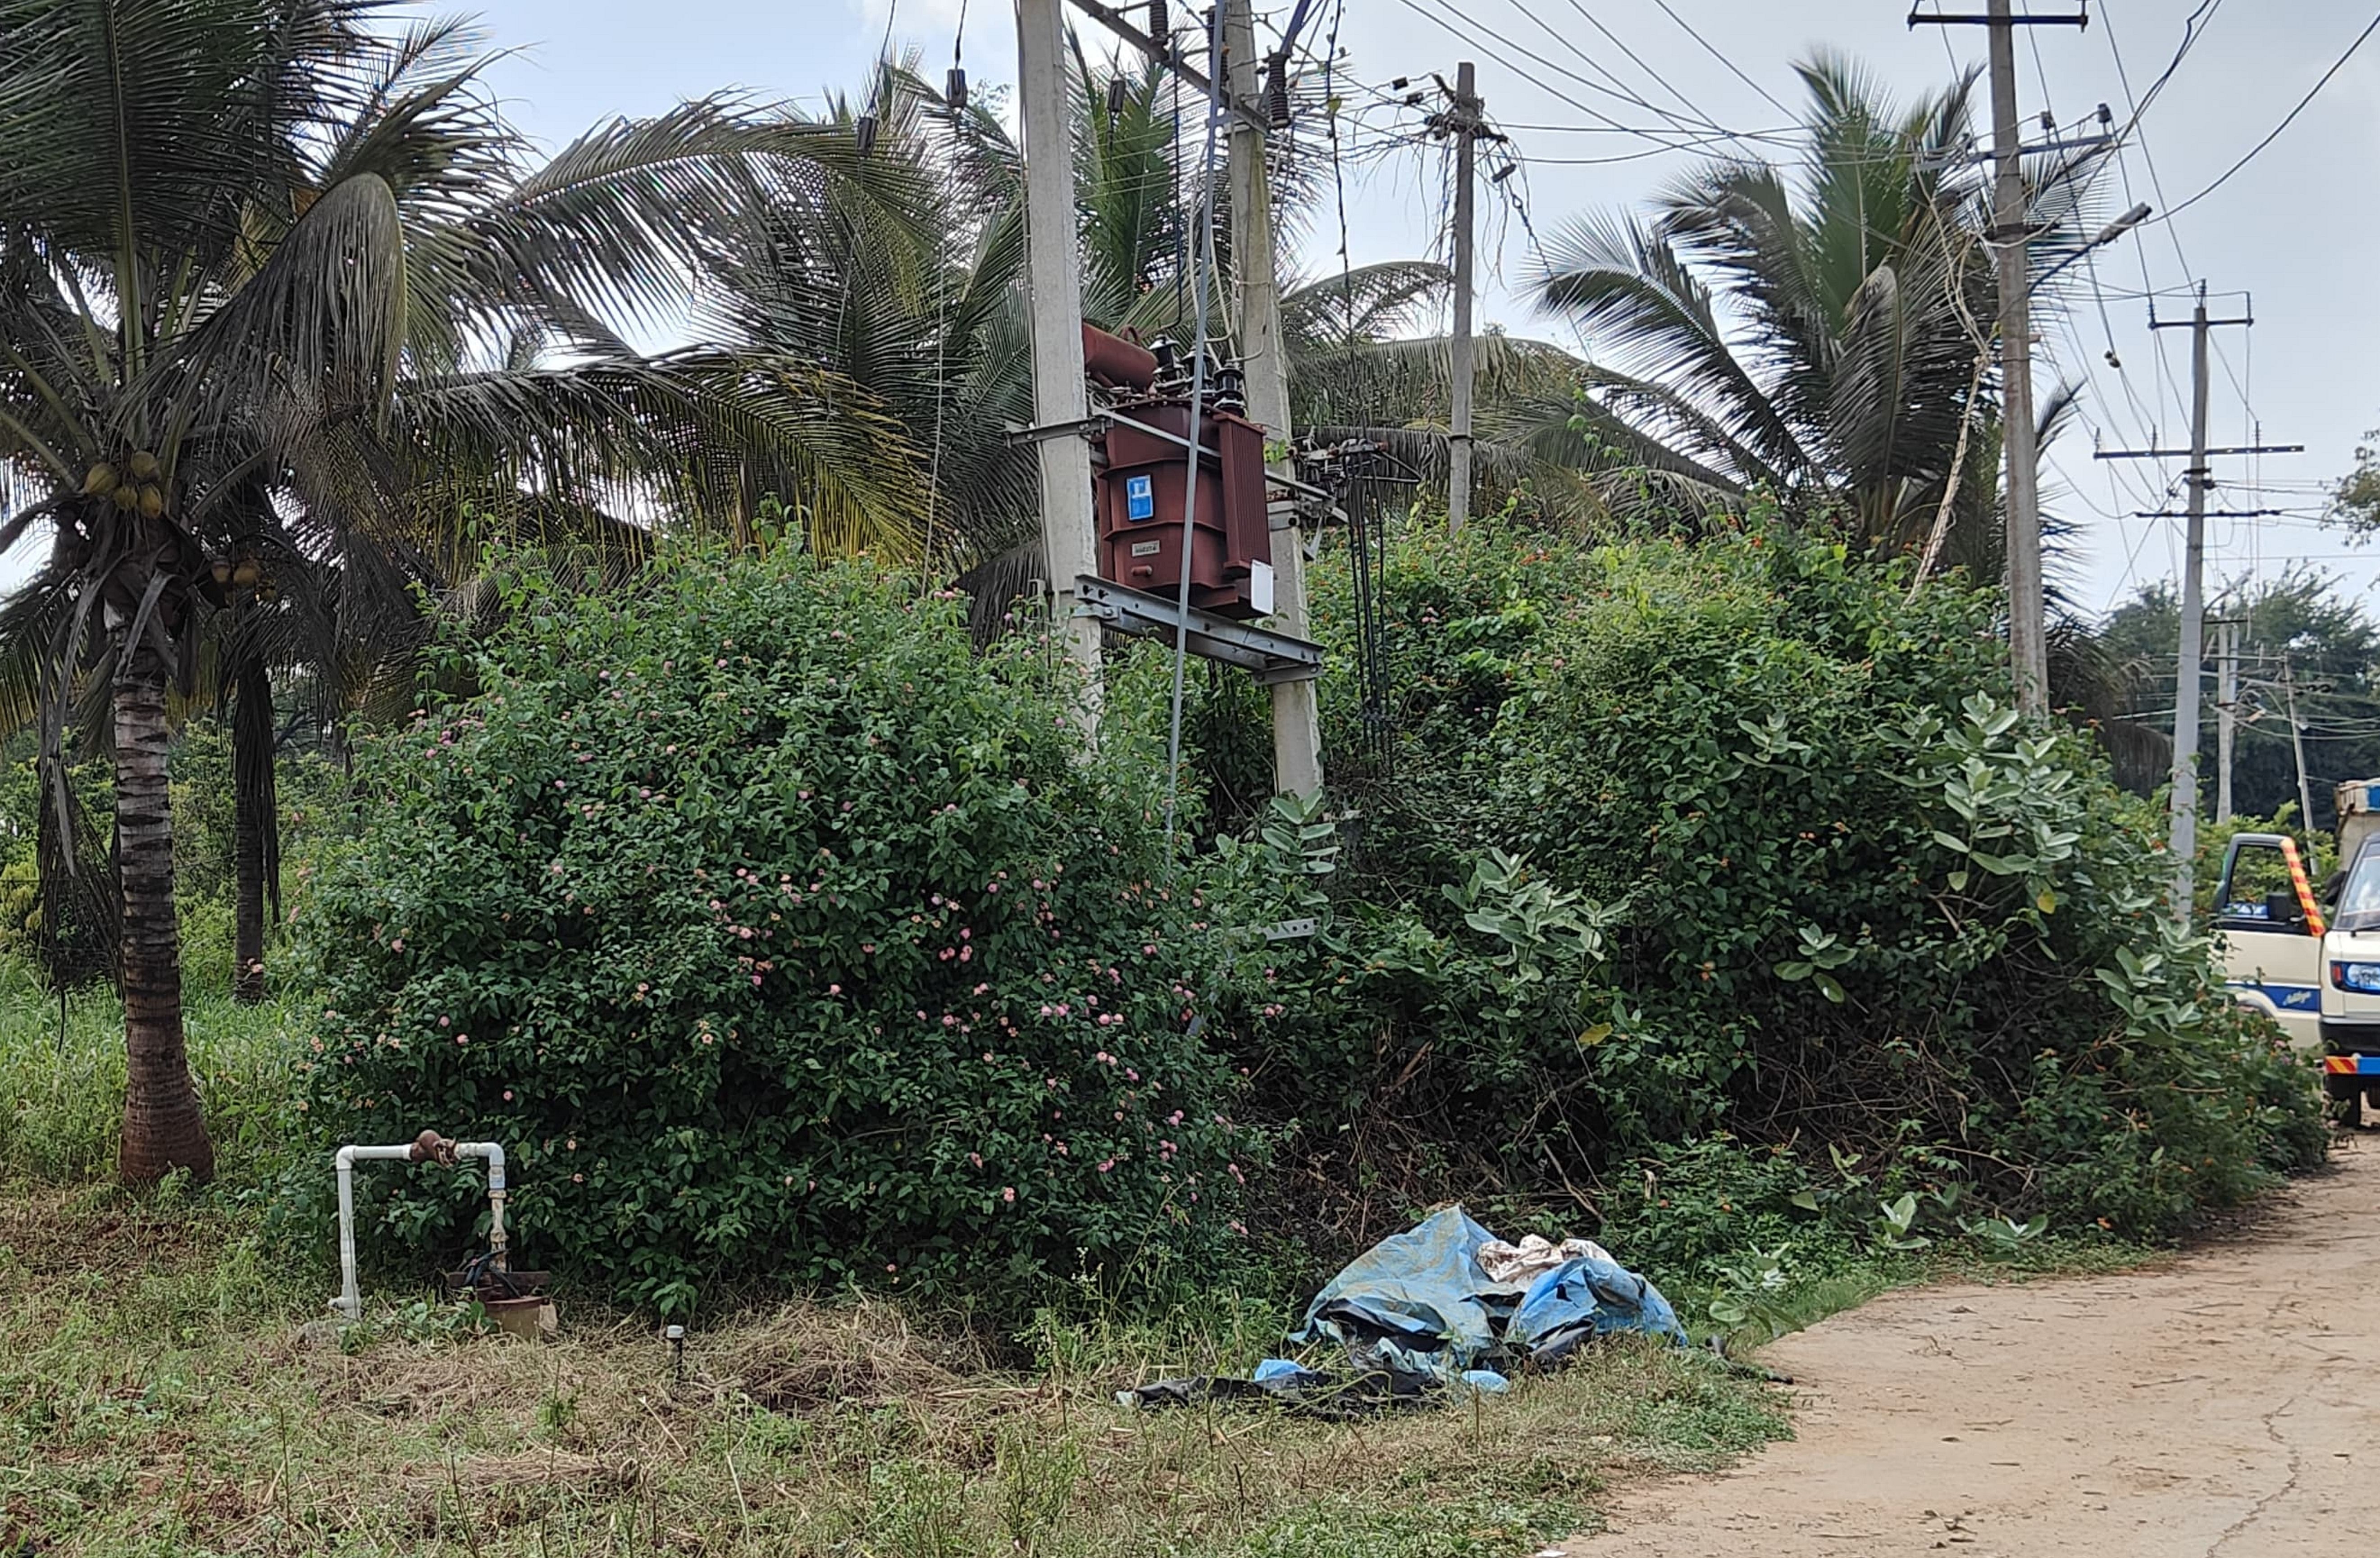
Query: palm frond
(1633,295)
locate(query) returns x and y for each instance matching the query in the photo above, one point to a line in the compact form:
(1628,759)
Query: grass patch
(62,1087)
(166,1389)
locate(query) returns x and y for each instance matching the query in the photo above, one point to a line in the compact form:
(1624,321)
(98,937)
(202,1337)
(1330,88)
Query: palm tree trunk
(162,1129)
(255,823)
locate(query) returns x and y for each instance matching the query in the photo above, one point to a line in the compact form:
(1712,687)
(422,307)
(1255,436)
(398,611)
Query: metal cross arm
(1161,52)
(1974,19)
(2185,454)
(1268,656)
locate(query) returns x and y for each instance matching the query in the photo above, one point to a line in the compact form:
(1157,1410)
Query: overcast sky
(2296,227)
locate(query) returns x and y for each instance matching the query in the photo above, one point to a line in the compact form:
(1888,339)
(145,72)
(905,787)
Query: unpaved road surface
(2227,1404)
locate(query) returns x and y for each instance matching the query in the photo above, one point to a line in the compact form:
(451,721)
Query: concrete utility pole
(2297,745)
(2226,704)
(1296,725)
(1055,287)
(1462,121)
(2028,634)
(2028,637)
(2181,840)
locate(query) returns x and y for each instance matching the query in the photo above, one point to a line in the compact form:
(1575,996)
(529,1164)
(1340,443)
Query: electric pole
(1055,293)
(1297,724)
(2028,646)
(2297,745)
(1462,122)
(2011,225)
(2226,701)
(2181,840)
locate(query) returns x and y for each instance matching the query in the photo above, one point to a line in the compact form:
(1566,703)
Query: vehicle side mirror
(2282,909)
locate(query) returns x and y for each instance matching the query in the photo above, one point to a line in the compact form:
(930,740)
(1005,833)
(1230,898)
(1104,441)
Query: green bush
(1842,895)
(778,935)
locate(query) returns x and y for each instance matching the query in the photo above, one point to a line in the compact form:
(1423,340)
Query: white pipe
(495,1156)
(350,1303)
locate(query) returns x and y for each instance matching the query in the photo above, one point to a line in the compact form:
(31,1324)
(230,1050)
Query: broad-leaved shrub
(775,934)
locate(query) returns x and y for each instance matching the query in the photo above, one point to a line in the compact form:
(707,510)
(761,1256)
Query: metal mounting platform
(1268,656)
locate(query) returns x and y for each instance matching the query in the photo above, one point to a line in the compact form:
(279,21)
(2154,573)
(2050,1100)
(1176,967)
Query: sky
(2290,237)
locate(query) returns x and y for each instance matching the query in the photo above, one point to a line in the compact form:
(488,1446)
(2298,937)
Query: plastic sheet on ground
(1420,1317)
(1425,1290)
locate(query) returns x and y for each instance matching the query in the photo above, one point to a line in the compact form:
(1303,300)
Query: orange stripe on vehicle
(2305,888)
(2343,1063)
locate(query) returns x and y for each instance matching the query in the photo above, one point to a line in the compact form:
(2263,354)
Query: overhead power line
(2336,65)
(1713,51)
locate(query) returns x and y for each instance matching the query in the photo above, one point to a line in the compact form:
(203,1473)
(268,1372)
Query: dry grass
(165,1392)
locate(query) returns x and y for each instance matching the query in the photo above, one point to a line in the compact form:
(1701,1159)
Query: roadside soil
(2225,1402)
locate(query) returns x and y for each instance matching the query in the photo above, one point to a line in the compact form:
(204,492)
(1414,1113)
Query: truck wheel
(2343,1100)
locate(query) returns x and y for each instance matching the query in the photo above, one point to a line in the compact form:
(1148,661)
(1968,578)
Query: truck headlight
(2364,977)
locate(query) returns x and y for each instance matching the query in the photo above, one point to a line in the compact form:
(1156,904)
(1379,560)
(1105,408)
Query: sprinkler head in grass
(675,1336)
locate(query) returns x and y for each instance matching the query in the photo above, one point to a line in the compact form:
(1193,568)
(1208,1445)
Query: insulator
(1161,26)
(1276,93)
(863,133)
(954,91)
(1115,96)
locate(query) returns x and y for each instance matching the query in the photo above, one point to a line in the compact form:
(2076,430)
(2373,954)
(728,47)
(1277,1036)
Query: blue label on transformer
(1139,497)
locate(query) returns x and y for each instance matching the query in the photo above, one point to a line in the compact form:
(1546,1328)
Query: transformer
(1140,482)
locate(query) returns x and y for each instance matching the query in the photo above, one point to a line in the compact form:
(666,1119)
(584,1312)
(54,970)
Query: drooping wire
(944,295)
(2253,151)
(1712,50)
(1338,178)
(1201,253)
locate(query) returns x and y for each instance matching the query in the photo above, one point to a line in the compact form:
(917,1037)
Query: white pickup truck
(2309,955)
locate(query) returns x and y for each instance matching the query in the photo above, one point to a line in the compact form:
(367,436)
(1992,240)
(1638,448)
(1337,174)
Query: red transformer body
(1139,501)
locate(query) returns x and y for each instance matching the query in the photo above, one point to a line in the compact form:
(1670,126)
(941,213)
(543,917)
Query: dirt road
(2227,1404)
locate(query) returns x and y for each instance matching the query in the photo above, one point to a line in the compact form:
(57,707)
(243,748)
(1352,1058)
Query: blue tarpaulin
(1422,1287)
(1582,1299)
(1423,1291)
(1421,1319)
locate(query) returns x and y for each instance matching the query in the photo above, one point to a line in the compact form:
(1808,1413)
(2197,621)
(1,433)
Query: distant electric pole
(1055,313)
(1462,121)
(1296,720)
(2012,227)
(2183,842)
(2226,701)
(2297,745)
(2182,827)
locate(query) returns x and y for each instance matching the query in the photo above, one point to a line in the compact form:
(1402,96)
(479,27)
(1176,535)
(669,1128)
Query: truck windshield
(2359,897)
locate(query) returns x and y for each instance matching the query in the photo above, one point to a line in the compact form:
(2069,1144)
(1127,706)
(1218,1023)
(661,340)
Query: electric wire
(1203,250)
(1713,51)
(1703,119)
(2253,151)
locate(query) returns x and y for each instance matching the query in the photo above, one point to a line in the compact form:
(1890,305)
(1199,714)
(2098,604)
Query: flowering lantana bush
(776,935)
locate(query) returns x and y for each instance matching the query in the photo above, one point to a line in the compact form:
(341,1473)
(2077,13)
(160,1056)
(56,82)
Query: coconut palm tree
(274,284)
(1819,328)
